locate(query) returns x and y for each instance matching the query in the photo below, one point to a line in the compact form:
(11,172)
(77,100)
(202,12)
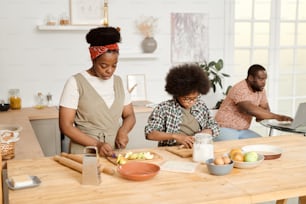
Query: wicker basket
(8,150)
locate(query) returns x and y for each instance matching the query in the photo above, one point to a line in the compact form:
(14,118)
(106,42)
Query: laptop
(298,121)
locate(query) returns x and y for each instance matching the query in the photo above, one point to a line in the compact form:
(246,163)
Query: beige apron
(93,117)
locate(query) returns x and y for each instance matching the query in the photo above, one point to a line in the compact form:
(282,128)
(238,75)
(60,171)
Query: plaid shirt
(167,117)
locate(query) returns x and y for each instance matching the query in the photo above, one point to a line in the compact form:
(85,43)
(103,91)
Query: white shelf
(66,27)
(122,56)
(135,56)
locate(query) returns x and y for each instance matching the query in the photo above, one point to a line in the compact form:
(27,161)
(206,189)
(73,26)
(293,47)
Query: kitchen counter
(28,146)
(276,179)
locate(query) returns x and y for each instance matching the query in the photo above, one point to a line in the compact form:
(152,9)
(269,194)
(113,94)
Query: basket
(8,150)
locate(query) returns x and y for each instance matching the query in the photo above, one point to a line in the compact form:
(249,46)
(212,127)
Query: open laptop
(298,121)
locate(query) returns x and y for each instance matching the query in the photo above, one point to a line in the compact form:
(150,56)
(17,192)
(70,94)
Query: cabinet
(48,135)
(136,136)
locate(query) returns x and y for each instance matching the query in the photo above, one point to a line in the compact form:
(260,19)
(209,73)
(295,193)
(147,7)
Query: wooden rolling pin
(78,166)
(75,157)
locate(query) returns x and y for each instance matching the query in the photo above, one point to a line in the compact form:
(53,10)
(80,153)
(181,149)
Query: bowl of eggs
(220,166)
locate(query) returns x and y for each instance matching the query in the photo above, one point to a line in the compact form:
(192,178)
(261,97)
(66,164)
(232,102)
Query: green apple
(250,157)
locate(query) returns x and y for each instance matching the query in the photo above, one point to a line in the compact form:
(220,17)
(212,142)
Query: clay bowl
(138,171)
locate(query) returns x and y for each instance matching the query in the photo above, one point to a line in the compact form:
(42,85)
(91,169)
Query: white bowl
(248,165)
(16,128)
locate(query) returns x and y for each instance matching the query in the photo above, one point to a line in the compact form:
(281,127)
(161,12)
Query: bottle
(203,148)
(15,100)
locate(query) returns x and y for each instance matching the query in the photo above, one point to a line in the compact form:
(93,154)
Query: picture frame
(86,12)
(136,84)
(189,37)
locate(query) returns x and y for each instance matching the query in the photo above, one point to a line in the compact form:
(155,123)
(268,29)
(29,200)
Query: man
(245,100)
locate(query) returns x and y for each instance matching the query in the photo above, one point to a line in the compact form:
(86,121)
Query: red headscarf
(96,51)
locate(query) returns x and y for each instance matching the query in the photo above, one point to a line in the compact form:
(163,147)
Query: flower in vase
(147,26)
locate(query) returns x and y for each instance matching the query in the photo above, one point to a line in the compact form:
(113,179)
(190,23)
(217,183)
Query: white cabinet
(48,134)
(136,136)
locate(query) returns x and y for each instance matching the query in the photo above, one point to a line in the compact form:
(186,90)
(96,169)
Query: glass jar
(15,100)
(203,148)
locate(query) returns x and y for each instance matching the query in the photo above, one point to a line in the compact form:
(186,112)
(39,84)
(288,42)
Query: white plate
(269,151)
(35,179)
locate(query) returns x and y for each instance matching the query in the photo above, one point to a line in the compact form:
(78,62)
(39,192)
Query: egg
(218,161)
(226,159)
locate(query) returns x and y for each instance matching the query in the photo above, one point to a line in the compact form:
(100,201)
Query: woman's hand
(105,150)
(122,139)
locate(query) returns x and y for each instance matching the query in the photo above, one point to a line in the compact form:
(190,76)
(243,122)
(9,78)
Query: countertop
(28,146)
(276,179)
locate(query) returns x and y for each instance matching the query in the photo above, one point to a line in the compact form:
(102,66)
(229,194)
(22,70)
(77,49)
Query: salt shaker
(203,148)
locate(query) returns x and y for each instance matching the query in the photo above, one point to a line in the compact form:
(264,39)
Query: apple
(250,157)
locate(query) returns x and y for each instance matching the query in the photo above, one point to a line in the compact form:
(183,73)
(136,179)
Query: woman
(175,121)
(94,101)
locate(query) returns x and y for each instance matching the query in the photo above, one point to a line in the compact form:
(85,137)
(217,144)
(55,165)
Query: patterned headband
(96,51)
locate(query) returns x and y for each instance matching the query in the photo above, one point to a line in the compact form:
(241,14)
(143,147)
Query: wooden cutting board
(156,157)
(182,152)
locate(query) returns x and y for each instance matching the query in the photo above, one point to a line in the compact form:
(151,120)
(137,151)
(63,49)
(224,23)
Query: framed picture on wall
(189,37)
(136,84)
(86,12)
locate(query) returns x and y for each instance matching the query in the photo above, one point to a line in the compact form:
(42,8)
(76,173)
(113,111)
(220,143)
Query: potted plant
(216,76)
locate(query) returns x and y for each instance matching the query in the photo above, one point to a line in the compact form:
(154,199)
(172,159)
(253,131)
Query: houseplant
(216,77)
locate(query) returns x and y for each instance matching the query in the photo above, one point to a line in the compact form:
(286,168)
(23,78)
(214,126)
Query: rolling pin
(75,157)
(78,166)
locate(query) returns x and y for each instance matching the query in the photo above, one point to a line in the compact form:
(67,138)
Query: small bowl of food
(138,171)
(254,161)
(4,107)
(220,166)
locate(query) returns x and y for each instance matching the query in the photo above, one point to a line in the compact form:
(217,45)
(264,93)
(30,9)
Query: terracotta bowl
(138,171)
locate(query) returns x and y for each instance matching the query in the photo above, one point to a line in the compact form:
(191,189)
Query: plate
(35,179)
(138,171)
(249,165)
(269,151)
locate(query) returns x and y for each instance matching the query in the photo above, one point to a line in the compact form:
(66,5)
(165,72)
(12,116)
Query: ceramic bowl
(11,127)
(138,171)
(4,107)
(248,165)
(219,170)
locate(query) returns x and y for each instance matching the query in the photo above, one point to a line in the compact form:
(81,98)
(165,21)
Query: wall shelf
(137,56)
(123,56)
(66,27)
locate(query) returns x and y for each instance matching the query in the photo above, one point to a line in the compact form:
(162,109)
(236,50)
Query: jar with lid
(203,148)
(15,100)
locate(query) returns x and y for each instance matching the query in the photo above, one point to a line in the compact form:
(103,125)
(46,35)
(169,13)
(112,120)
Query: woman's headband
(96,51)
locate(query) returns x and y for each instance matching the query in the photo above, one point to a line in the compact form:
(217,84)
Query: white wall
(34,60)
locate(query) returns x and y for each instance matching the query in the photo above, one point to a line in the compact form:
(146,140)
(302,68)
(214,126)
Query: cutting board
(155,158)
(182,152)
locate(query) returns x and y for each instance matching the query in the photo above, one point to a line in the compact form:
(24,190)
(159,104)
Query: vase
(148,45)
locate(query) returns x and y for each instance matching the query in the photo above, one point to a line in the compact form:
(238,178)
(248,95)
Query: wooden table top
(272,180)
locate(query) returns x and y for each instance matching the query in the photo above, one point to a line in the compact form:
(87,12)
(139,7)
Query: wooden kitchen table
(273,180)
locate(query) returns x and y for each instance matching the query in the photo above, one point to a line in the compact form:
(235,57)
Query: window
(271,33)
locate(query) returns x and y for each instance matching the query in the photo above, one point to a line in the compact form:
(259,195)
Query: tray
(268,151)
(35,179)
